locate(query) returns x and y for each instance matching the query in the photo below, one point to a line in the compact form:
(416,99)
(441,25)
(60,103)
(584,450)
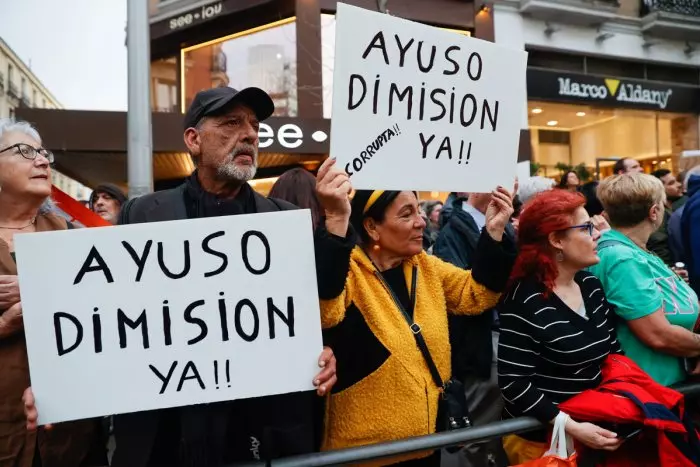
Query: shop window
(593,136)
(264,57)
(164,77)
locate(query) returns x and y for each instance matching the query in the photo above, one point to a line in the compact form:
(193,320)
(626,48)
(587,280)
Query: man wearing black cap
(106,201)
(221,134)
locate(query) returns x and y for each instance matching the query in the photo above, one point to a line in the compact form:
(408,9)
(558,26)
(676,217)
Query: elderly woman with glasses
(25,186)
(658,310)
(557,327)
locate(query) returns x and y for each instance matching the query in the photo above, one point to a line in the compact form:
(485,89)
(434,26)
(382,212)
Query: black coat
(470,336)
(243,430)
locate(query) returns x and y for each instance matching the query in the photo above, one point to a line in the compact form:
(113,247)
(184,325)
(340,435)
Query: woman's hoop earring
(559,256)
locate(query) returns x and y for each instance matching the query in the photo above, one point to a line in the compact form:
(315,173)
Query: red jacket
(628,396)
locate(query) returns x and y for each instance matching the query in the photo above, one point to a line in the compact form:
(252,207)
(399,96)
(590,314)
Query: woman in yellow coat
(371,287)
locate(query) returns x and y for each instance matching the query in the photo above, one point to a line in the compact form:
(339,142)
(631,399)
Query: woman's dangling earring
(559,256)
(376,247)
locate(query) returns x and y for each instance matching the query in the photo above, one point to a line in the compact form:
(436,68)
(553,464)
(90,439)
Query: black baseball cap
(216,100)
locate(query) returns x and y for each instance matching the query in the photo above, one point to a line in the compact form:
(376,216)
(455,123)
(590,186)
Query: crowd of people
(534,300)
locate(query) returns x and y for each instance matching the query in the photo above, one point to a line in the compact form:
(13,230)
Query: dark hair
(620,166)
(660,173)
(298,186)
(593,205)
(377,211)
(564,182)
(430,207)
(549,211)
(517,207)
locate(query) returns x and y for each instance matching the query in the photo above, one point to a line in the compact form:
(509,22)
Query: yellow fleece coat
(399,399)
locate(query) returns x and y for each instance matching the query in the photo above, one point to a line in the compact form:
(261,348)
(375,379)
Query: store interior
(596,136)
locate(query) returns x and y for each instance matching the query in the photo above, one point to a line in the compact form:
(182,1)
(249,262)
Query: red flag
(75,211)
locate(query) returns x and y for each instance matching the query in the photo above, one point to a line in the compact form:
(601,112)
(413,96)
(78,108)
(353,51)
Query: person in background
(473,338)
(446,210)
(380,294)
(690,232)
(627,165)
(593,206)
(556,325)
(569,181)
(691,185)
(298,186)
(531,186)
(25,187)
(657,310)
(106,201)
(432,227)
(517,210)
(681,177)
(658,241)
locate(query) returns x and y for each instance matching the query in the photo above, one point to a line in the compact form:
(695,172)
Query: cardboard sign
(140,317)
(419,108)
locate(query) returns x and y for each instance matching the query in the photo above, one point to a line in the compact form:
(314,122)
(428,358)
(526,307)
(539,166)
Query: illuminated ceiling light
(580,114)
(552,123)
(536,110)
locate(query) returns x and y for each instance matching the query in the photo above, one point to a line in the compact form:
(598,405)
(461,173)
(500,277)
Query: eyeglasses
(588,226)
(30,152)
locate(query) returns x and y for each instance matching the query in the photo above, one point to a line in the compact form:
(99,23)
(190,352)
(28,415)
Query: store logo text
(633,93)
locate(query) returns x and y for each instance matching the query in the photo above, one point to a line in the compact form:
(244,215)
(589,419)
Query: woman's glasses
(30,152)
(587,226)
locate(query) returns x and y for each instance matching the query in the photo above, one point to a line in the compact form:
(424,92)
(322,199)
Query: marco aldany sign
(419,108)
(140,317)
(550,85)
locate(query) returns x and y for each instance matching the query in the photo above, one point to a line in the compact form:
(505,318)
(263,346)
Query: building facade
(607,79)
(21,89)
(284,47)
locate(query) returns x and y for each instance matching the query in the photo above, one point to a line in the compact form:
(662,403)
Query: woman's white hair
(532,186)
(10,125)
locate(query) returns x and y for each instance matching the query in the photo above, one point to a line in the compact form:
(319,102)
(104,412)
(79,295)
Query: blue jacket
(690,231)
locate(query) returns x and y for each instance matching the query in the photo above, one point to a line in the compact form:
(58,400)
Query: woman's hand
(9,291)
(593,436)
(333,189)
(11,320)
(498,213)
(326,379)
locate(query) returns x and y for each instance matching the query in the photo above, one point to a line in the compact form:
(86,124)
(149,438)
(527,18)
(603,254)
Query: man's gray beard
(232,172)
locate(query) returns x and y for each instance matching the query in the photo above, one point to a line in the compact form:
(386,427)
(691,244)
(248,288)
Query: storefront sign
(195,16)
(295,135)
(200,15)
(619,92)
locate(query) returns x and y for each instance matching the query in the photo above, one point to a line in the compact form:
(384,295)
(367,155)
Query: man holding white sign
(237,310)
(429,110)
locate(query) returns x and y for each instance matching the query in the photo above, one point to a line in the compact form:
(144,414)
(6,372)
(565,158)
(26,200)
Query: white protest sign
(140,317)
(419,108)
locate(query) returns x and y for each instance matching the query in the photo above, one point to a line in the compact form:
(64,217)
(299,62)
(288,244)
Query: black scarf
(201,203)
(203,428)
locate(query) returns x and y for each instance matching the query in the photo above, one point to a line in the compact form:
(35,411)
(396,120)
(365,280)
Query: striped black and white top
(547,352)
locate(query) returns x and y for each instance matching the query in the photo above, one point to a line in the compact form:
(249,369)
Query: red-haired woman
(556,325)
